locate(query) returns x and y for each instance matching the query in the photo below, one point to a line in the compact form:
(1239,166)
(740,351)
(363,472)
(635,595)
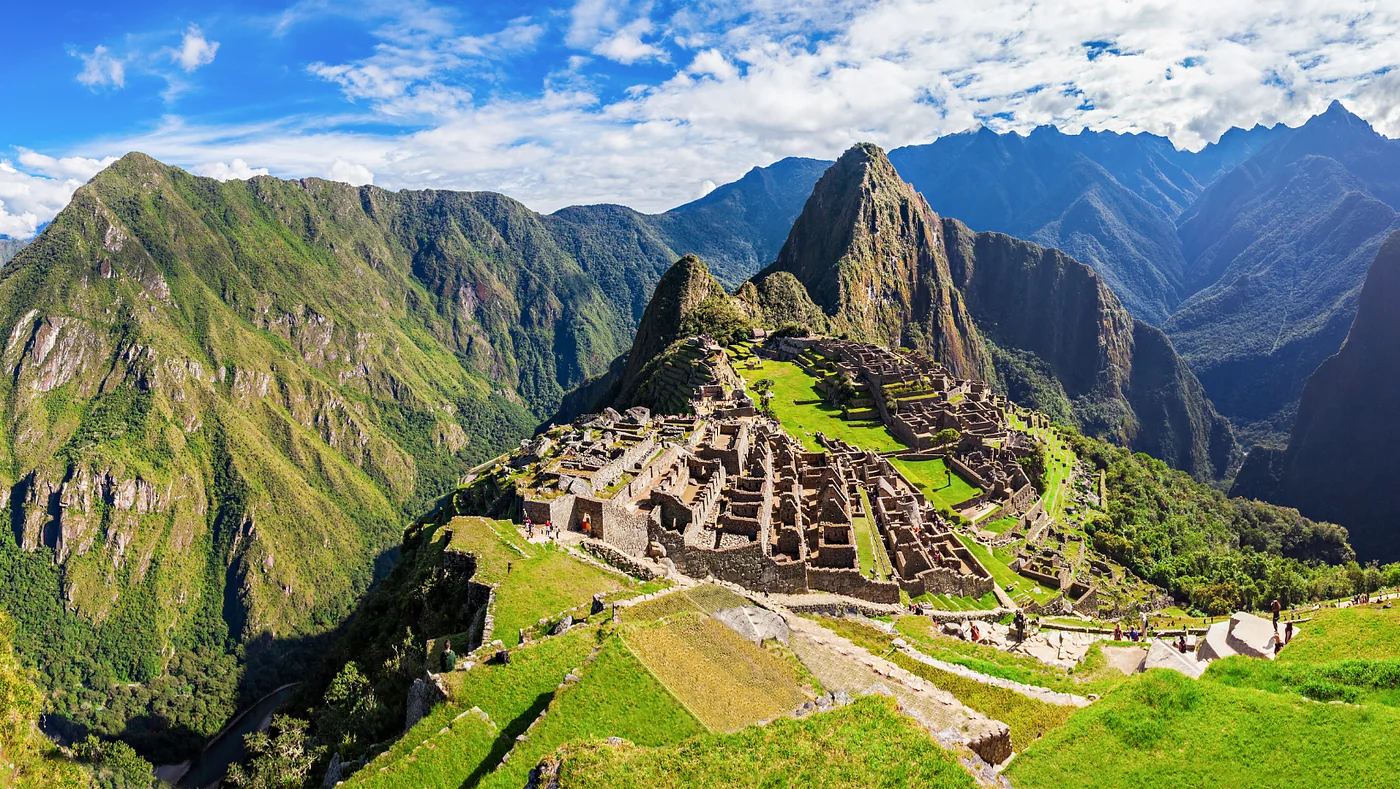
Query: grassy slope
(542,580)
(617,697)
(1367,633)
(725,681)
(867,745)
(1162,729)
(512,695)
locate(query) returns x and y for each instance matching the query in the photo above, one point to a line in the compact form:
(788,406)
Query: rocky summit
(881,266)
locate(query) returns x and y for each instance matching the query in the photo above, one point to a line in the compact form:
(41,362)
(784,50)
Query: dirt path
(1126,659)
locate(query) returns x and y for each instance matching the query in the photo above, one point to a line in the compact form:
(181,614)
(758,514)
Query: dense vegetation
(1214,553)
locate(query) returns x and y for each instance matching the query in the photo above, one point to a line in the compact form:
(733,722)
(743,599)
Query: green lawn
(934,479)
(535,581)
(1000,525)
(1161,729)
(870,549)
(945,602)
(1364,632)
(511,695)
(791,383)
(1028,718)
(617,697)
(998,565)
(865,745)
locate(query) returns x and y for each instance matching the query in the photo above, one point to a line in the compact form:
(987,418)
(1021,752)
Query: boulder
(1216,645)
(1251,635)
(754,623)
(1164,655)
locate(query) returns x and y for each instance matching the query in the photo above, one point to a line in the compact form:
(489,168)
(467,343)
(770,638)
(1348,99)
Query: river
(209,768)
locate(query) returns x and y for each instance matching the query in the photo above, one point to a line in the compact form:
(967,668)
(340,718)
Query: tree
(352,713)
(840,390)
(946,436)
(278,758)
(115,765)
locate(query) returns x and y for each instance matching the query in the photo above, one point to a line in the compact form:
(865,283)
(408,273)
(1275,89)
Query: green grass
(1028,718)
(791,383)
(1000,525)
(1093,675)
(1364,633)
(512,695)
(617,697)
(726,681)
(998,564)
(866,745)
(541,581)
(1161,729)
(1351,681)
(870,549)
(934,479)
(945,602)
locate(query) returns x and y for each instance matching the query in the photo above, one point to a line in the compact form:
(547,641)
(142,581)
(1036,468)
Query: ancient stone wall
(850,582)
(612,556)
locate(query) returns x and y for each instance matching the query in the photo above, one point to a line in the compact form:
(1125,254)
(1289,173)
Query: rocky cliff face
(9,247)
(870,253)
(1341,462)
(878,264)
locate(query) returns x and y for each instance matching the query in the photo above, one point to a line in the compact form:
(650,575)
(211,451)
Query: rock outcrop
(1341,462)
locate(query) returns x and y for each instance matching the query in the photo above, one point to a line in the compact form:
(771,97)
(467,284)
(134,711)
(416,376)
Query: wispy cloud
(195,50)
(727,84)
(101,68)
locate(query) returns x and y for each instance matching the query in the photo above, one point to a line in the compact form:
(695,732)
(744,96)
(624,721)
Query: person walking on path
(1288,632)
(1277,608)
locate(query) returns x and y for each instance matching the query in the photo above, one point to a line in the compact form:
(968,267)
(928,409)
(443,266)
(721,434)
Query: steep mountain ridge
(869,252)
(1276,253)
(882,267)
(1341,462)
(224,398)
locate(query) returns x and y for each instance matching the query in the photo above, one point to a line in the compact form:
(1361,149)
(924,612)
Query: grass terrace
(792,385)
(939,484)
(615,697)
(865,745)
(870,548)
(726,681)
(535,581)
(998,564)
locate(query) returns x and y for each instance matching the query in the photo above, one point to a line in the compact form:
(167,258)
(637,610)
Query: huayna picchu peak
(1031,321)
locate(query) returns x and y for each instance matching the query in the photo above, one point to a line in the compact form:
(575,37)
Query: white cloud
(195,50)
(237,170)
(758,80)
(33,195)
(350,173)
(102,69)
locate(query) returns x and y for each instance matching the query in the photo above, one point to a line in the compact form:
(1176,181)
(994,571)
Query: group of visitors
(550,532)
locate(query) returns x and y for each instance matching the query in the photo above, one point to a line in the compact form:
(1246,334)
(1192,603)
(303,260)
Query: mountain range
(1341,461)
(868,258)
(1249,253)
(9,247)
(224,399)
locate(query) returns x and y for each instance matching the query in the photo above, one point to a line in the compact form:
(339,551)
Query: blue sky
(643,102)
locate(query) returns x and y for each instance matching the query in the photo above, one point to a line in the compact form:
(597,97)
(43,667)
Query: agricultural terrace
(533,581)
(726,681)
(799,407)
(998,563)
(868,744)
(870,548)
(615,696)
(1059,461)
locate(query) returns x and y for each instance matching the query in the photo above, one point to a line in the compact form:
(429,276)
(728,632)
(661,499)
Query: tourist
(1118,631)
(1020,625)
(1288,633)
(1181,643)
(1277,608)
(449,658)
(976,634)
